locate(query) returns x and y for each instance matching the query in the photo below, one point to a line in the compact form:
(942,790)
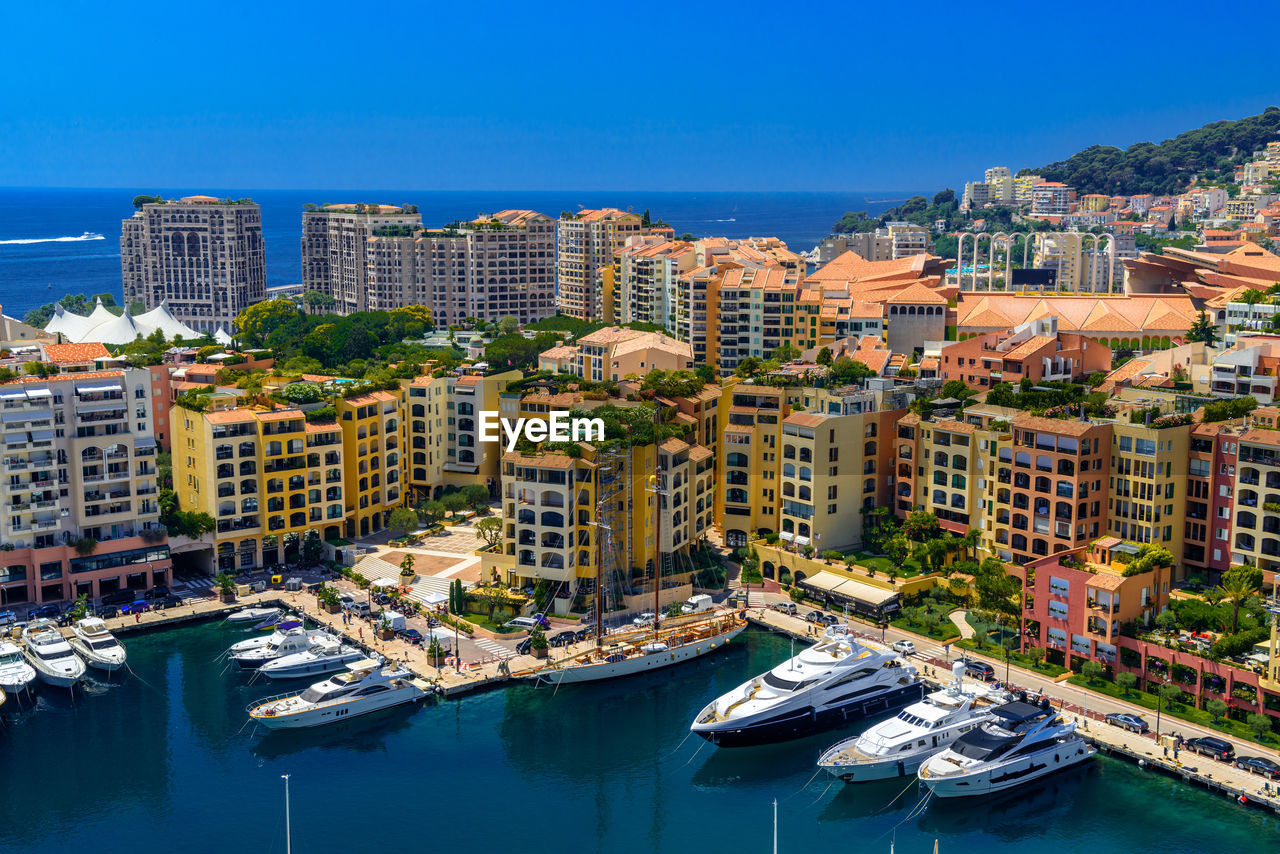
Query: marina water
(160,758)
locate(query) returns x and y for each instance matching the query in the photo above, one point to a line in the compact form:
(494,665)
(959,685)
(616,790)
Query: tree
(1091,670)
(312,548)
(489,529)
(824,356)
(980,628)
(139,201)
(406,565)
(430,512)
(1167,621)
(301,392)
(1238,584)
(749,367)
(1259,723)
(508,325)
(1203,330)
(401,521)
(261,319)
(1216,708)
(476,495)
(1126,681)
(1169,693)
(785,353)
(457,597)
(921,526)
(1037,656)
(454,503)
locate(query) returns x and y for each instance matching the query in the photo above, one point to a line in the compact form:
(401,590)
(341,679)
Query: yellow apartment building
(371,441)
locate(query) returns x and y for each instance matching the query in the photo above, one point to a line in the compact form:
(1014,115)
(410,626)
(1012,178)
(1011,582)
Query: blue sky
(568,95)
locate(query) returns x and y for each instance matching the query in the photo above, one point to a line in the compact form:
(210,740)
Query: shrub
(1216,708)
(1259,723)
(1126,681)
(832,554)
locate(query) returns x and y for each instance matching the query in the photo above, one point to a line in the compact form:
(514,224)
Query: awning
(39,392)
(385,582)
(434,599)
(786,536)
(829,582)
(101,407)
(14,417)
(97,389)
(13,395)
(461,468)
(144,442)
(15,438)
(41,435)
(802,541)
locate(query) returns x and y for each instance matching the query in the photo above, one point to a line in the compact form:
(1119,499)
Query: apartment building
(1255,526)
(801,461)
(1052,198)
(81,493)
(646,273)
(1211,489)
(1078,600)
(585,243)
(576,519)
(442,432)
(495,266)
(334,241)
(615,353)
(204,257)
(756,314)
(1036,351)
(371,427)
(1023,185)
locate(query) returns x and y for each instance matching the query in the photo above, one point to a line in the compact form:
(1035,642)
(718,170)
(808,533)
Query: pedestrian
(361,634)
(137,616)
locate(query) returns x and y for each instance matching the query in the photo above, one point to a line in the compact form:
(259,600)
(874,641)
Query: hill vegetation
(1167,167)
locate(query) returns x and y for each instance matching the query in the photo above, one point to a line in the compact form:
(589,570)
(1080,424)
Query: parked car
(526,623)
(169,601)
(413,636)
(525,646)
(106,612)
(645,619)
(158,592)
(119,597)
(815,617)
(1259,765)
(583,634)
(785,607)
(1210,746)
(1124,720)
(563,638)
(828,619)
(7,618)
(382,599)
(44,612)
(137,606)
(979,669)
(905,647)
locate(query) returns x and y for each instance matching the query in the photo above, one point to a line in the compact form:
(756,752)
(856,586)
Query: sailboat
(669,641)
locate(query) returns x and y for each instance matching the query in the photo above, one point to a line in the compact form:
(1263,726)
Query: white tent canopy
(104,327)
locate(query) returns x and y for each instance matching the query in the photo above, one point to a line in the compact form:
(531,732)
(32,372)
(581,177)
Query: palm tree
(1237,588)
(970,541)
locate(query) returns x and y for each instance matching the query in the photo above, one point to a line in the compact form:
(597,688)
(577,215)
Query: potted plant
(329,599)
(226,586)
(538,643)
(384,629)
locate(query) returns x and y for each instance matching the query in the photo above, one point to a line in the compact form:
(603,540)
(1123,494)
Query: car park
(1124,720)
(978,669)
(1259,765)
(904,647)
(1209,746)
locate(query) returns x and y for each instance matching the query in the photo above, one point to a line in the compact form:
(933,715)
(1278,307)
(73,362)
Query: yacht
(97,646)
(259,641)
(279,643)
(91,235)
(1022,742)
(55,662)
(897,747)
(367,686)
(252,615)
(16,675)
(325,655)
(840,678)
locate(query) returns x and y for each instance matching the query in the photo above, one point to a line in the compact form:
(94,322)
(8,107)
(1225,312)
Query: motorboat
(96,645)
(325,655)
(279,644)
(55,662)
(16,675)
(631,652)
(366,686)
(1021,742)
(897,747)
(252,615)
(259,641)
(840,678)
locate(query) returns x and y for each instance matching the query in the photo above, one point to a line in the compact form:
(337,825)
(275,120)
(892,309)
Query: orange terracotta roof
(65,353)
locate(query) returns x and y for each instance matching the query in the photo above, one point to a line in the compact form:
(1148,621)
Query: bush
(833,555)
(302,393)
(1126,681)
(1241,642)
(1259,723)
(1217,708)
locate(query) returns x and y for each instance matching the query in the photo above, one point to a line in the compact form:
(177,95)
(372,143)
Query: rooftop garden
(1052,399)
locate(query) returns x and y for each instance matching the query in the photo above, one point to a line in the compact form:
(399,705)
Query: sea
(43,255)
(161,758)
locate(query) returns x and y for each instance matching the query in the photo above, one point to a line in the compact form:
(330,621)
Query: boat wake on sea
(88,235)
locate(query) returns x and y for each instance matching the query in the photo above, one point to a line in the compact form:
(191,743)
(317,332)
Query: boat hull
(252,615)
(18,684)
(313,668)
(97,662)
(798,723)
(339,712)
(60,678)
(882,769)
(635,664)
(1007,776)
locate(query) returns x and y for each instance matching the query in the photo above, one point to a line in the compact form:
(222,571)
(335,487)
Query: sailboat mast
(288,831)
(657,519)
(599,562)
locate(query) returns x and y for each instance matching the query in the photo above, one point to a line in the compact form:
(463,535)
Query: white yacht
(55,662)
(259,641)
(897,747)
(252,615)
(325,655)
(838,679)
(367,686)
(279,643)
(16,675)
(96,645)
(1022,742)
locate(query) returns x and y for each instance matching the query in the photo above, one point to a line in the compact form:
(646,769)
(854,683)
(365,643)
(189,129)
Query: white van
(694,604)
